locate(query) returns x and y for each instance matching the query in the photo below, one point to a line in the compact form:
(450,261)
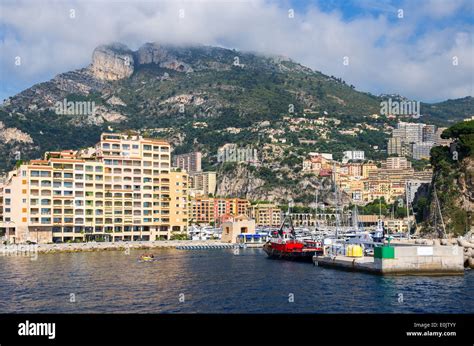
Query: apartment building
(388,181)
(207,210)
(353,155)
(412,139)
(410,132)
(191,162)
(123,189)
(421,150)
(317,163)
(203,183)
(266,215)
(396,163)
(397,146)
(429,133)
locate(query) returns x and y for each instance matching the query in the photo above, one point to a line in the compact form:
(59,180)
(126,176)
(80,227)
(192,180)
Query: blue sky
(412,56)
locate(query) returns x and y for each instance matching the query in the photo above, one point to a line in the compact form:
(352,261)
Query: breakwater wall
(109,246)
(408,260)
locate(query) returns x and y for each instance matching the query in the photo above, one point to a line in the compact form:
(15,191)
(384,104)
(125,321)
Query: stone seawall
(102,246)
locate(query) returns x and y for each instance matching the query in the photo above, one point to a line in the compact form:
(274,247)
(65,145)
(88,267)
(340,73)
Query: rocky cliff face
(153,53)
(116,61)
(12,135)
(112,62)
(466,186)
(238,181)
(456,199)
(242,180)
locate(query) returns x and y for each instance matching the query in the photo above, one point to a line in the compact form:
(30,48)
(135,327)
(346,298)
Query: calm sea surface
(215,281)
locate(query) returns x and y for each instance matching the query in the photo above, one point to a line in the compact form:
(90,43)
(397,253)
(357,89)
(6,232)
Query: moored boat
(285,245)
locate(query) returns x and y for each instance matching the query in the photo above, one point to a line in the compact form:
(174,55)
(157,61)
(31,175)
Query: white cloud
(385,56)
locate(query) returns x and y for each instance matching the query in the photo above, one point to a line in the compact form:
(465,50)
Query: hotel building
(123,189)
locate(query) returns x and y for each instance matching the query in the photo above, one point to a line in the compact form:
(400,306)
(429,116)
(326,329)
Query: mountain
(199,98)
(448,112)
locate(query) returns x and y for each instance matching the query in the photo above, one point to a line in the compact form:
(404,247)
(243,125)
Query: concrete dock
(409,260)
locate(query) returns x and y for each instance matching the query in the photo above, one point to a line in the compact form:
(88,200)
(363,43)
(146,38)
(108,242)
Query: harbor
(215,281)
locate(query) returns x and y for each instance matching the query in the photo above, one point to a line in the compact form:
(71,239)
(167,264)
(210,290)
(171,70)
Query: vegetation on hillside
(452,179)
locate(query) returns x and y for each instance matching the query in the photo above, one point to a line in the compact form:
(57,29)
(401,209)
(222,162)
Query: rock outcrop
(112,62)
(153,53)
(451,193)
(12,134)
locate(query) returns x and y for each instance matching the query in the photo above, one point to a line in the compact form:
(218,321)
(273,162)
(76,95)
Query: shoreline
(13,249)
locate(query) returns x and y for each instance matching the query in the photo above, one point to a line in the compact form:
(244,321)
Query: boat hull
(298,254)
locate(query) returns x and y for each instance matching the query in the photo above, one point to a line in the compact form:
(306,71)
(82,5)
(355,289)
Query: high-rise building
(412,139)
(429,133)
(124,189)
(191,162)
(421,150)
(411,132)
(394,146)
(204,183)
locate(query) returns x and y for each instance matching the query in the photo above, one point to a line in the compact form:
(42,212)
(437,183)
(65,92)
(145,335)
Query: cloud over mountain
(412,55)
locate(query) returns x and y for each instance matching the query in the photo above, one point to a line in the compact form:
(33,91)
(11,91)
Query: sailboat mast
(439,210)
(408,209)
(336,200)
(316,210)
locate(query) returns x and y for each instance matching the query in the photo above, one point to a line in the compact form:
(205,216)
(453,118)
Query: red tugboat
(285,245)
